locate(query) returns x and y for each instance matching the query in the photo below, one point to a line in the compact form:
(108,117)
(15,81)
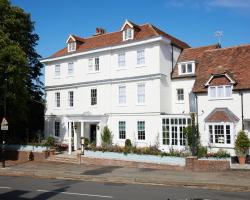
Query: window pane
(122,95)
(212,92)
(122,130)
(220,91)
(180,94)
(140,57)
(228,91)
(189,68)
(121,59)
(57,99)
(228,135)
(57,129)
(93,96)
(219,134)
(90,64)
(96,64)
(57,70)
(141,130)
(174,135)
(141,93)
(211,140)
(71,99)
(70,68)
(183,68)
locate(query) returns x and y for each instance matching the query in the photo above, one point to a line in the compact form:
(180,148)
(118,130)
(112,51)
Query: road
(25,188)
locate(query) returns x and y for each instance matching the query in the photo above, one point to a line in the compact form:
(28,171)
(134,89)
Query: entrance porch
(79,129)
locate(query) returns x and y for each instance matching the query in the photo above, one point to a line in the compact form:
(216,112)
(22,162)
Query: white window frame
(172,131)
(212,137)
(71,99)
(122,95)
(141,57)
(93,65)
(93,99)
(141,95)
(70,68)
(122,130)
(217,92)
(141,131)
(121,59)
(126,35)
(57,70)
(179,95)
(185,64)
(71,46)
(57,129)
(57,100)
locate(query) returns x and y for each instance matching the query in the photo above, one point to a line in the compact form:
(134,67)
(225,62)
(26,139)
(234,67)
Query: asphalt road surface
(25,188)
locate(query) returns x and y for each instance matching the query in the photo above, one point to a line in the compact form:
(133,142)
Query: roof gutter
(109,48)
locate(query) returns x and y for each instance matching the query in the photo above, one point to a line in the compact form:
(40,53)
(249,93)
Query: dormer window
(71,46)
(220,92)
(128,34)
(186,68)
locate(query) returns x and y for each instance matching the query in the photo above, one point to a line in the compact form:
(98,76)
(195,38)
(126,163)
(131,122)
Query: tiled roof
(191,54)
(235,60)
(115,38)
(221,115)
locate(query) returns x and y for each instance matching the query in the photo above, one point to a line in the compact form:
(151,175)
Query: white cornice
(130,44)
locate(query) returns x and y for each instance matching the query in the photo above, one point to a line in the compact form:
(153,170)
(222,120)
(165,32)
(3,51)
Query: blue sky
(193,21)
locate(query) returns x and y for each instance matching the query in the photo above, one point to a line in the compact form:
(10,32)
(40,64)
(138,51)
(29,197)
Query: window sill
(121,68)
(140,66)
(121,105)
(57,108)
(215,99)
(180,102)
(70,76)
(141,104)
(93,106)
(94,72)
(183,74)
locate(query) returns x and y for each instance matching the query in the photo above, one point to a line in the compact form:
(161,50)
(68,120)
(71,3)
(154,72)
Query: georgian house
(141,82)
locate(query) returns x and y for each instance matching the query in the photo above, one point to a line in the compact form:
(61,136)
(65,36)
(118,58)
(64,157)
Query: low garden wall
(195,164)
(26,152)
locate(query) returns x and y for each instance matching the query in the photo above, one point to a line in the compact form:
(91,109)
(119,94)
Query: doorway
(93,133)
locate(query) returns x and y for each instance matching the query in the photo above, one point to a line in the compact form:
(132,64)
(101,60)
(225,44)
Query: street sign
(4,125)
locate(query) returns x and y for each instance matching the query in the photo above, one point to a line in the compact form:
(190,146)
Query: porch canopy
(221,115)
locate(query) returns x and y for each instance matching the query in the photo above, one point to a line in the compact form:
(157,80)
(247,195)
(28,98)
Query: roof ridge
(230,47)
(202,46)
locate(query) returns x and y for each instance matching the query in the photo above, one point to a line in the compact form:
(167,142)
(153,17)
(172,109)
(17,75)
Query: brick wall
(193,164)
(25,155)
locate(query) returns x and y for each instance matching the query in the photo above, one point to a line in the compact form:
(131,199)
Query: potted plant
(242,145)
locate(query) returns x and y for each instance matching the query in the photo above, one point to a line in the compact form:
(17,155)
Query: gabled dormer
(128,30)
(186,68)
(220,86)
(73,43)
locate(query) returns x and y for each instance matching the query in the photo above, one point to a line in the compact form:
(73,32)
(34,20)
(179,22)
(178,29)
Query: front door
(93,133)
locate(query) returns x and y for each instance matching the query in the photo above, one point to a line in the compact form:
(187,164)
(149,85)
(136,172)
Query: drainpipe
(242,110)
(172,48)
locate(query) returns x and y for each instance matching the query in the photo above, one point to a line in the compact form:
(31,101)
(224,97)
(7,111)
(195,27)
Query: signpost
(4,127)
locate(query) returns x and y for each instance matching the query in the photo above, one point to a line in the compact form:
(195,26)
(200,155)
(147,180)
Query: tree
(21,69)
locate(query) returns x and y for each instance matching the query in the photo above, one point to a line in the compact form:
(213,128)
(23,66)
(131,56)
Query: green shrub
(128,143)
(188,135)
(106,137)
(50,142)
(242,144)
(201,151)
(221,154)
(86,142)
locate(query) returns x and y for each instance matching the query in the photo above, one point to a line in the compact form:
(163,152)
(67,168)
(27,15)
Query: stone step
(64,159)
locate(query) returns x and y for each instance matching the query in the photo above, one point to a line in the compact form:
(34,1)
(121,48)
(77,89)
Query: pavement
(231,180)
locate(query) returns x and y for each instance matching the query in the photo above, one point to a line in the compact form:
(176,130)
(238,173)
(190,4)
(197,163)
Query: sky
(192,21)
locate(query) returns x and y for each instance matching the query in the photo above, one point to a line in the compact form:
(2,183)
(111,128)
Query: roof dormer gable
(220,79)
(128,30)
(73,43)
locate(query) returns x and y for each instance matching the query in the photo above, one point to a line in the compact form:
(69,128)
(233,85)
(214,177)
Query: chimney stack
(100,31)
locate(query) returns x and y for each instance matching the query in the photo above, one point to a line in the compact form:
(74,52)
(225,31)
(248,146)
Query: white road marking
(5,187)
(79,194)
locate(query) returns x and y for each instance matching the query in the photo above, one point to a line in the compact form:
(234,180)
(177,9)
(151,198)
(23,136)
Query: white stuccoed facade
(86,120)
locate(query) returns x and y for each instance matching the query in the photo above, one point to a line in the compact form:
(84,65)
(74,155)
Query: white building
(130,81)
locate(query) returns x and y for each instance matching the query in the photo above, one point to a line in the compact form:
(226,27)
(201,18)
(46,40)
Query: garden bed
(167,160)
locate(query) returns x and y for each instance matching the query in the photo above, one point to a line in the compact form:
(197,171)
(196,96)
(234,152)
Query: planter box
(28,148)
(166,160)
